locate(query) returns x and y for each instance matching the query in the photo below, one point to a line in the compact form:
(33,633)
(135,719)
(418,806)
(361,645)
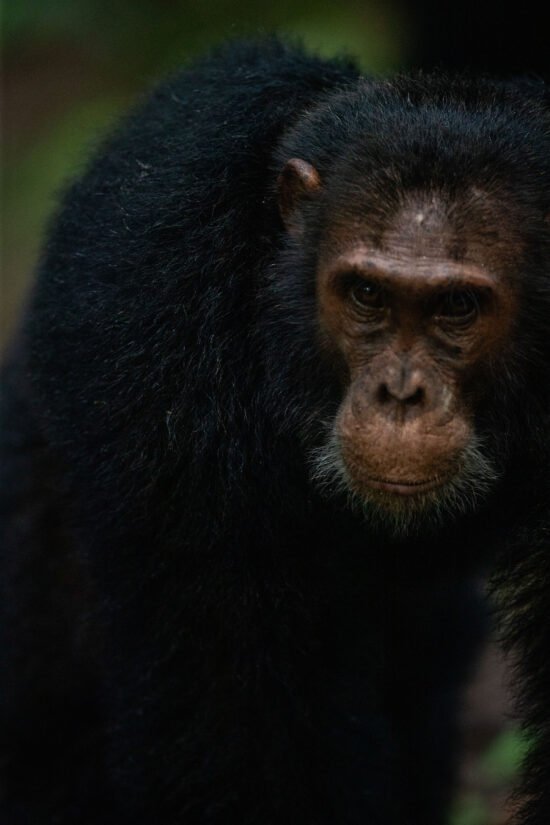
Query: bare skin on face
(413,325)
(412,316)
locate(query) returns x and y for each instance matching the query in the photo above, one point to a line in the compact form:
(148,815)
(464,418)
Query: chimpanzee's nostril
(407,395)
(417,397)
(384,395)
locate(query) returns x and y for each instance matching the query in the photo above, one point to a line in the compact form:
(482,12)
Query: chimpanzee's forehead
(432,225)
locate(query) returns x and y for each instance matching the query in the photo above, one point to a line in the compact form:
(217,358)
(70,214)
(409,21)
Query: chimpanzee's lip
(405,488)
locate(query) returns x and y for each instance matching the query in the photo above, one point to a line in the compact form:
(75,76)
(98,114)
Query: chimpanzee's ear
(298,181)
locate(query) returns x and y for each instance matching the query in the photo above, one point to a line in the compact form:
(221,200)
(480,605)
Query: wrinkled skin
(413,313)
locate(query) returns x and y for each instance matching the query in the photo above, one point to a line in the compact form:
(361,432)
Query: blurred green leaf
(470,810)
(504,758)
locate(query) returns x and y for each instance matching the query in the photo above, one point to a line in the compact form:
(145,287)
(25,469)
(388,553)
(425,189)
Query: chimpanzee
(280,393)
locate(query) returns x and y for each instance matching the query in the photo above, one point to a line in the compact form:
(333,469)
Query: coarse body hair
(193,631)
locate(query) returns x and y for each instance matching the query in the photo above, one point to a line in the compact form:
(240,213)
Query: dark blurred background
(71,66)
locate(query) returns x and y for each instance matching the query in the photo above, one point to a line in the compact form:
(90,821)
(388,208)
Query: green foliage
(504,758)
(25,18)
(495,773)
(154,34)
(471,810)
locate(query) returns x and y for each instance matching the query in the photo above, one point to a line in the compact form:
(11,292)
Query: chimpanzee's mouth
(405,487)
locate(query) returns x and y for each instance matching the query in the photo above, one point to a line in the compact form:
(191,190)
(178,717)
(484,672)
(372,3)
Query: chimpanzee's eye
(367,294)
(459,305)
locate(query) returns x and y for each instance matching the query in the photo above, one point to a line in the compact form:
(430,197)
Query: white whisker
(401,516)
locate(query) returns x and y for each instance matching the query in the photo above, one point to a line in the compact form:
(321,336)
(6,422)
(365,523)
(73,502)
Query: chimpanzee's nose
(403,388)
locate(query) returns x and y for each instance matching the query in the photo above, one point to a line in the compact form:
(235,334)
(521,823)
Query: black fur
(192,632)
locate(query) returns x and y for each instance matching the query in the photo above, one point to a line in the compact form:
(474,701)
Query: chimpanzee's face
(413,315)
